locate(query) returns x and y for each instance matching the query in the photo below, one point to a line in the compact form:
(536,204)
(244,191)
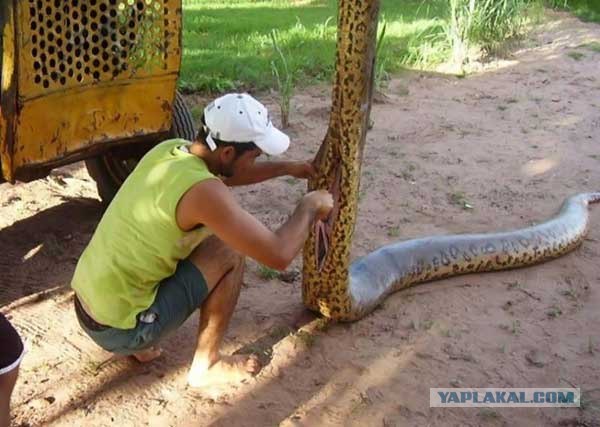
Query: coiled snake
(344,291)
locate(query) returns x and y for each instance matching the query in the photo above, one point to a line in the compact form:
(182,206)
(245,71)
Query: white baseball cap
(238,117)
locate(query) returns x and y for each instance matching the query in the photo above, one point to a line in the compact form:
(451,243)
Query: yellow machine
(88,79)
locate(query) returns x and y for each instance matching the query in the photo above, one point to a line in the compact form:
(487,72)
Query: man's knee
(239,260)
(229,257)
(215,259)
(235,262)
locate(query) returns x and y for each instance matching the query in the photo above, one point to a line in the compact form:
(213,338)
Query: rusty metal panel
(90,71)
(76,119)
(8,87)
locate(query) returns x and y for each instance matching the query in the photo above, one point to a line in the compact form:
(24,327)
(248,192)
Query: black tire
(110,169)
(182,125)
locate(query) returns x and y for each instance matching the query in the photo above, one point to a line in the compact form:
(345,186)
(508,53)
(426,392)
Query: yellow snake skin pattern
(347,292)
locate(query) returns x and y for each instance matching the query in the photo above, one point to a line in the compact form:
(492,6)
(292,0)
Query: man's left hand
(302,170)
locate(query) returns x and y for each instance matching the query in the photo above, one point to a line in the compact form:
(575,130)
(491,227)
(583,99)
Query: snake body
(396,266)
(345,290)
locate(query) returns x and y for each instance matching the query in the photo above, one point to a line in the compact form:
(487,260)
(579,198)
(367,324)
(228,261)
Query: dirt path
(511,142)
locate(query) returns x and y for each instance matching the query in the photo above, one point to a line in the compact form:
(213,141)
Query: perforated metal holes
(75,41)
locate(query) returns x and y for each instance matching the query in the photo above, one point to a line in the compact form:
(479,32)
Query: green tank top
(138,242)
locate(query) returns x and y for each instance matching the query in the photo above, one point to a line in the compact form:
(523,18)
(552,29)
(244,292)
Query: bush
(483,23)
(587,10)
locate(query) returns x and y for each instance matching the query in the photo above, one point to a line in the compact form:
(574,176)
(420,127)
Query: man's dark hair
(239,147)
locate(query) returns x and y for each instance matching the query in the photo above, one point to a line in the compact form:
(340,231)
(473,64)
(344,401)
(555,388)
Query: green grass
(485,25)
(593,46)
(267,273)
(393,231)
(284,79)
(516,327)
(577,56)
(586,10)
(227,45)
(554,311)
(459,198)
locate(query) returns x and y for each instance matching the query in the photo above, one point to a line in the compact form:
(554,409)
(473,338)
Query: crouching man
(174,239)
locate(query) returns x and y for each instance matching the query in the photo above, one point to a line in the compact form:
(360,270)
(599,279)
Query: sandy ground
(512,141)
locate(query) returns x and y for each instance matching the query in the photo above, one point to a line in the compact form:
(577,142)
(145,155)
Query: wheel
(110,169)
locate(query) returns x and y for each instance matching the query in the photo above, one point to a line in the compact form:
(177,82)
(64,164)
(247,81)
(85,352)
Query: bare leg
(7,383)
(223,270)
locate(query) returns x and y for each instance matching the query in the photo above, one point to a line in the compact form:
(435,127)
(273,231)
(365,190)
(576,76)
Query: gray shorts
(178,297)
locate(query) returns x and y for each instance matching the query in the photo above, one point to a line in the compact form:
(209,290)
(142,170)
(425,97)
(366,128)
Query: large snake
(403,264)
(344,291)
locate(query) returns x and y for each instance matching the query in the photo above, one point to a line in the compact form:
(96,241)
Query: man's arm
(211,203)
(263,171)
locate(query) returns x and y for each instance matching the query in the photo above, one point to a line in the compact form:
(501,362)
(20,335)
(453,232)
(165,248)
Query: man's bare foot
(148,354)
(228,369)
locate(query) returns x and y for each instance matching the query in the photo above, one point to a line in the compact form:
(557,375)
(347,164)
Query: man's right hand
(320,202)
(212,204)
